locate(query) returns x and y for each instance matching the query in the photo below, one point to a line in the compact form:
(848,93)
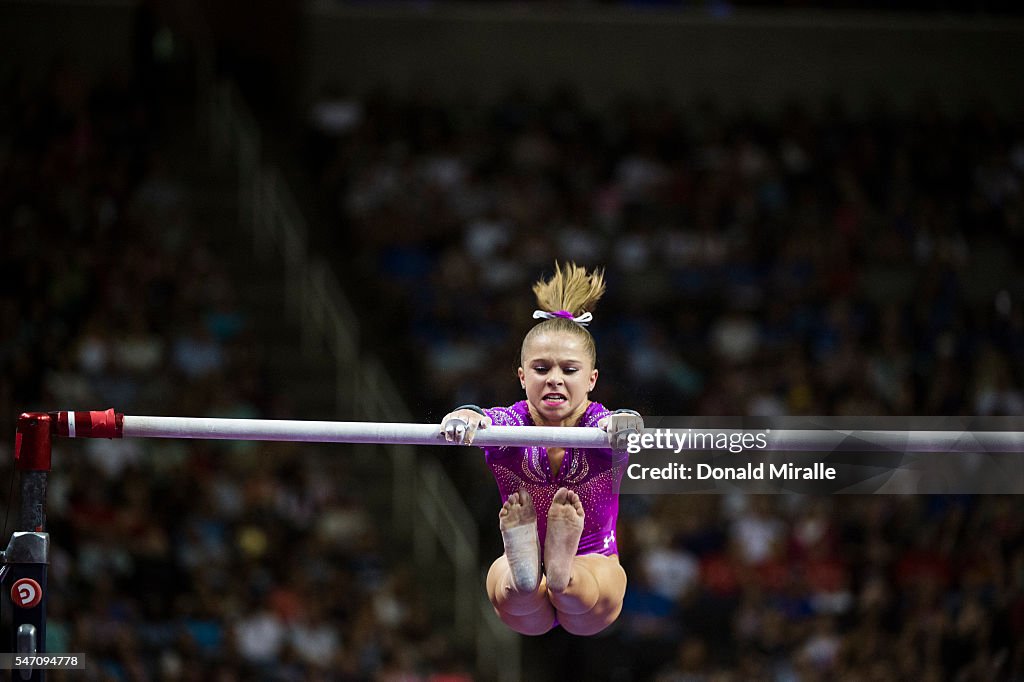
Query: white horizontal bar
(777,440)
(355,432)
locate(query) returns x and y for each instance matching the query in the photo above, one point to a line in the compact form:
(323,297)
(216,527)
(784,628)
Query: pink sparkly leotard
(593,474)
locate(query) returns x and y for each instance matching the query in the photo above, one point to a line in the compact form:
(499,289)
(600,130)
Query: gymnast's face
(557,374)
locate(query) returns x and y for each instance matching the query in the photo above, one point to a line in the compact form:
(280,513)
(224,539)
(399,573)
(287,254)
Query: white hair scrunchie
(583,320)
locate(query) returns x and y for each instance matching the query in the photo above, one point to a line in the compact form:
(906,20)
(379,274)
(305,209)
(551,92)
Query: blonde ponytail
(572,289)
(566,300)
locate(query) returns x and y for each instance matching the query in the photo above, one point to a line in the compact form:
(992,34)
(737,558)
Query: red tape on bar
(92,424)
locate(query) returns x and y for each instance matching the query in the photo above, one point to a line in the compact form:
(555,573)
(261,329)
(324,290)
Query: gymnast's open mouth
(554,398)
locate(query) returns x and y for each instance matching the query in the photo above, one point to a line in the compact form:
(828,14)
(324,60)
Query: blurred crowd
(171,560)
(817,262)
(823,588)
(814,262)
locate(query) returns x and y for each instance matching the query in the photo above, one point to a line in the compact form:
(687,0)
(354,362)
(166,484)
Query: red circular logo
(26,593)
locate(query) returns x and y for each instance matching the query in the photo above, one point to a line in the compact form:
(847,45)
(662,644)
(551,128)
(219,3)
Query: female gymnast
(561,564)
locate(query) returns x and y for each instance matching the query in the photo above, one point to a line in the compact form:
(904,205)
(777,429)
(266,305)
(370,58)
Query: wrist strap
(476,408)
(625,411)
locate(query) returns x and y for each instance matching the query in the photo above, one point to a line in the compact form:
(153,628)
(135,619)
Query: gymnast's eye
(540,368)
(571,370)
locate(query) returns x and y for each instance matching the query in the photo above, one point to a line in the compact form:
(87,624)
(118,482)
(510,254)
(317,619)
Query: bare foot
(518,523)
(565,525)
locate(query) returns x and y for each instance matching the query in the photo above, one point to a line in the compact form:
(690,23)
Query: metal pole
(28,553)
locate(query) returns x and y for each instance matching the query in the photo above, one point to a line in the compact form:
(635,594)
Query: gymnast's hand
(620,424)
(460,425)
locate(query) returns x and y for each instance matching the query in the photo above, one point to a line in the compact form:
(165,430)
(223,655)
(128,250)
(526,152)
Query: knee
(622,581)
(611,580)
(605,612)
(531,625)
(493,582)
(590,623)
(498,568)
(608,605)
(507,601)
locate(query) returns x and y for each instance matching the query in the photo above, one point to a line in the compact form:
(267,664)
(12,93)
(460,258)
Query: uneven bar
(108,424)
